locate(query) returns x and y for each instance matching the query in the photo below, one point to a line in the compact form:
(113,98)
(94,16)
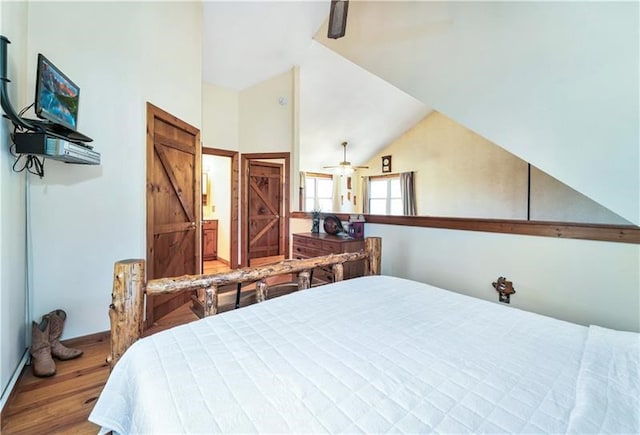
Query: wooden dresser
(209,240)
(307,245)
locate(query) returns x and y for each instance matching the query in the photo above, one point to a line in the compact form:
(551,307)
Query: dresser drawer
(307,242)
(330,246)
(316,245)
(307,252)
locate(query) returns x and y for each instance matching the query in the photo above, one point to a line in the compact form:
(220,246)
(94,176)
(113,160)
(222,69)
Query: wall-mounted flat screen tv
(57,97)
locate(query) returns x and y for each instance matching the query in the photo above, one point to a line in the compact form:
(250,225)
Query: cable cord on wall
(31,163)
(28,262)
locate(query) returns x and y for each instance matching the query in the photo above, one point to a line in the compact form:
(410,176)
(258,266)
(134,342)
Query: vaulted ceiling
(246,43)
(556,84)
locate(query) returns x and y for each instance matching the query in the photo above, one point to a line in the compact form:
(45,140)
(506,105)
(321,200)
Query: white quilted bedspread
(374,354)
(608,392)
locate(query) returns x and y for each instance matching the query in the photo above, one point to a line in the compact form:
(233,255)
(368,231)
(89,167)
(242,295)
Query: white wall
(266,124)
(581,281)
(220,117)
(267,114)
(13,318)
(552,200)
(555,83)
(86,218)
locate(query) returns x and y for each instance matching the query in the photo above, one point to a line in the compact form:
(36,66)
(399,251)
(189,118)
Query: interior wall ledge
(566,230)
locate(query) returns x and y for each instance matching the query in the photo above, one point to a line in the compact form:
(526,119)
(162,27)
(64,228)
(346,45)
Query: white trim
(14,378)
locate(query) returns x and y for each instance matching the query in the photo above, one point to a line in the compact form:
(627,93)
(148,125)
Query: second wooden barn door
(265,210)
(173,205)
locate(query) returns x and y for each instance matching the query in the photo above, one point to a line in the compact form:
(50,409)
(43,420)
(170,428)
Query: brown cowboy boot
(41,361)
(60,351)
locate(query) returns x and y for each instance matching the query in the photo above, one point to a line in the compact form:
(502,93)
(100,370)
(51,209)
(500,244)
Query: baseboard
(8,391)
(87,339)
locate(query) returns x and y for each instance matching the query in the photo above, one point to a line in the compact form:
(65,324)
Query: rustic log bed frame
(129,287)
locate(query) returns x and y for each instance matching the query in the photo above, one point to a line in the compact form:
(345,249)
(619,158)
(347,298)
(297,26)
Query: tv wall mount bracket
(4,94)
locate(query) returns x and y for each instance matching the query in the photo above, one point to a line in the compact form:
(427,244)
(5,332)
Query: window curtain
(365,195)
(302,195)
(337,180)
(408,193)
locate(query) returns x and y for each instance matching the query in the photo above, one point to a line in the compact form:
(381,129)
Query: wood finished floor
(61,404)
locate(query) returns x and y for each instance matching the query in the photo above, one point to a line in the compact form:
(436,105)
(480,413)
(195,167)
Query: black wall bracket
(4,94)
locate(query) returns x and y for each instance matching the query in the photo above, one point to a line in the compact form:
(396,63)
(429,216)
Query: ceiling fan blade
(344,164)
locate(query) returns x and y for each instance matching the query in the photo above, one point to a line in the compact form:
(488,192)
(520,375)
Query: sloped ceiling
(245,43)
(340,101)
(556,84)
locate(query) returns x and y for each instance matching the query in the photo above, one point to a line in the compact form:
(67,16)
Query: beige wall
(458,173)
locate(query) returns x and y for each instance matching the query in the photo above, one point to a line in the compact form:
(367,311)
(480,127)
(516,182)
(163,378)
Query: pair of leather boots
(45,344)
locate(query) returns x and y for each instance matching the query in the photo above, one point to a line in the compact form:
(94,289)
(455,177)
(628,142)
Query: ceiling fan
(345,167)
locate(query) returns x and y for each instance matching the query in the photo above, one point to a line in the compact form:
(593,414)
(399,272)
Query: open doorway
(265,208)
(219,210)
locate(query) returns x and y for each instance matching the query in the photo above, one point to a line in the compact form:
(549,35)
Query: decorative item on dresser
(209,240)
(315,226)
(308,245)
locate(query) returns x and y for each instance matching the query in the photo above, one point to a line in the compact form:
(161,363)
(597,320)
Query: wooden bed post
(211,300)
(373,246)
(303,280)
(338,272)
(262,290)
(126,309)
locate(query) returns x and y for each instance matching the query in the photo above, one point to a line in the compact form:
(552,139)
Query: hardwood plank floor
(62,403)
(214,266)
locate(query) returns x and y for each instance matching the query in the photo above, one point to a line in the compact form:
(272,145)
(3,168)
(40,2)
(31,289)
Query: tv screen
(57,97)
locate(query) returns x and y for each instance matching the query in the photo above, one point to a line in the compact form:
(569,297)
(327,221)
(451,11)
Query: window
(384,196)
(318,191)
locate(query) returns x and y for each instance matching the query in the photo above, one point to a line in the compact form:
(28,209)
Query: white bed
(375,354)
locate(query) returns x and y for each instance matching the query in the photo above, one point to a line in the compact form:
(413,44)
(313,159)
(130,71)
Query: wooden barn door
(173,205)
(266,211)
